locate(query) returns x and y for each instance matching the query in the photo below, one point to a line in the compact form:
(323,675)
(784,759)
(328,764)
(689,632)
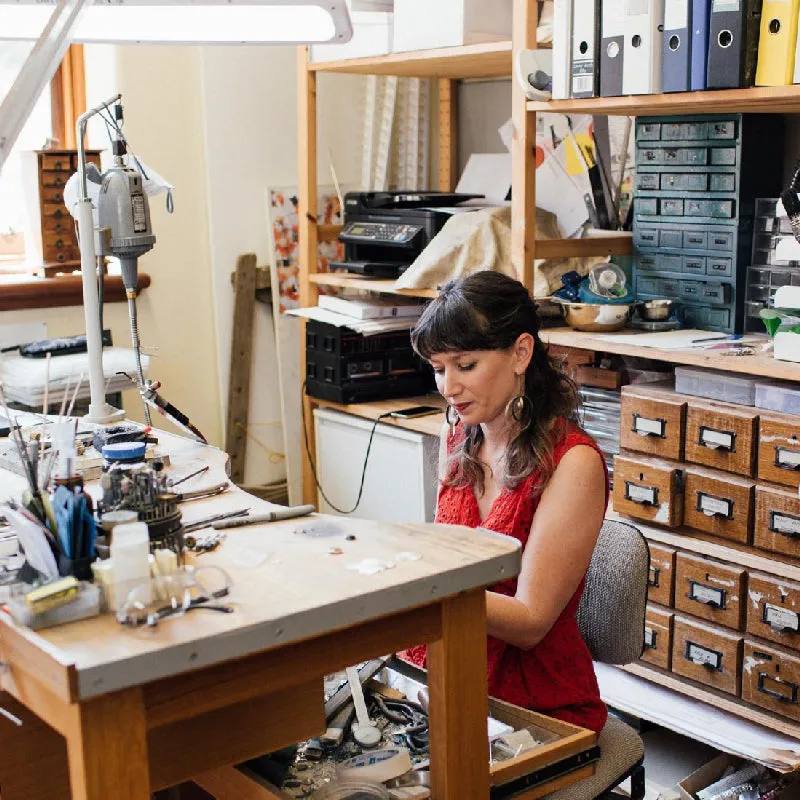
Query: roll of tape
(378,766)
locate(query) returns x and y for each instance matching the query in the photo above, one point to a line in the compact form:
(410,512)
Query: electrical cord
(314,466)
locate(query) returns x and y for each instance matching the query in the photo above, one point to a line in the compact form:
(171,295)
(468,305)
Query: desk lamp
(54,24)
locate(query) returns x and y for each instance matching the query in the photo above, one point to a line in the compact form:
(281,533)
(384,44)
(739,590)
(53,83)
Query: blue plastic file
(701,10)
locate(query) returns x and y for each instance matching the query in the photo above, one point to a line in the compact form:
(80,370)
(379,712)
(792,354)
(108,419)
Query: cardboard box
(422,24)
(707,774)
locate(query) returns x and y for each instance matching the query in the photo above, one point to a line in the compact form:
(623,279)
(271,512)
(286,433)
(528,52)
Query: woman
(514,460)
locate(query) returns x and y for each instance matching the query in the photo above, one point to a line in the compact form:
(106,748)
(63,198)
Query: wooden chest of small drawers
(710,590)
(777,525)
(718,503)
(722,436)
(707,654)
(51,242)
(652,421)
(773,609)
(648,488)
(661,581)
(779,448)
(771,679)
(658,636)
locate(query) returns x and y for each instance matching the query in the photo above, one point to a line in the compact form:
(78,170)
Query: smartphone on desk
(415,411)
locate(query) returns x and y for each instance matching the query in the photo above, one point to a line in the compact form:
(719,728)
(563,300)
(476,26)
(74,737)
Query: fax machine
(385,231)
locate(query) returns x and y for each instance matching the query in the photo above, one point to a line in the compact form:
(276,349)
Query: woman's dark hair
(489,311)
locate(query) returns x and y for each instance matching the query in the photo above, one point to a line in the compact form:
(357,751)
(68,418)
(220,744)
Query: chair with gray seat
(611,621)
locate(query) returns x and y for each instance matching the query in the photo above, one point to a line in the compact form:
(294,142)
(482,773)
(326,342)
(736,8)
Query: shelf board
(762,99)
(379,285)
(431,424)
(619,243)
(758,365)
(488,60)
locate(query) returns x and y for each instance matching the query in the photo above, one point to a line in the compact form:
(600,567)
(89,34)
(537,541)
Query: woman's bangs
(449,325)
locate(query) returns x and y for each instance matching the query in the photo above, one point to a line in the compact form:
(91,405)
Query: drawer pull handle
(786,458)
(703,656)
(714,506)
(784,691)
(780,619)
(643,495)
(652,579)
(707,595)
(650,639)
(784,524)
(717,440)
(645,426)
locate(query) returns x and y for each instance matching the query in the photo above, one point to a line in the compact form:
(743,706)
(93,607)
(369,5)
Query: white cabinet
(400,483)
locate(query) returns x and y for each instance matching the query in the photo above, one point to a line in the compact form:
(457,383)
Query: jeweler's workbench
(148,708)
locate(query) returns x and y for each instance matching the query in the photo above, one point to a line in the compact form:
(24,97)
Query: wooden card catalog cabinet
(721,436)
(771,679)
(710,655)
(779,448)
(649,489)
(773,609)
(710,590)
(777,520)
(718,503)
(652,421)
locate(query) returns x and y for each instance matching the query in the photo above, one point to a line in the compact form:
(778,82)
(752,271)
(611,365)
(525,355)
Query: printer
(384,232)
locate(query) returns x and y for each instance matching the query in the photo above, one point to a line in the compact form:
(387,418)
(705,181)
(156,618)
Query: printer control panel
(394,232)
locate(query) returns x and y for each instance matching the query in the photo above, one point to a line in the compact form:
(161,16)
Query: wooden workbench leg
(107,748)
(33,757)
(458,701)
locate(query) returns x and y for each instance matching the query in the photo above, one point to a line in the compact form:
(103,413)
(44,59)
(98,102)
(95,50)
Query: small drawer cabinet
(658,636)
(51,241)
(707,654)
(648,488)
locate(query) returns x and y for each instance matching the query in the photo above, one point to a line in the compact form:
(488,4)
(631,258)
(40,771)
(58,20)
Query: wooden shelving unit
(759,99)
(379,286)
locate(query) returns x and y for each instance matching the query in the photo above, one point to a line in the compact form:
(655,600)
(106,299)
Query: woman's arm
(563,535)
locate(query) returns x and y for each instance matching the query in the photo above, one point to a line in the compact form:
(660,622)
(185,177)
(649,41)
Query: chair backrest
(612,609)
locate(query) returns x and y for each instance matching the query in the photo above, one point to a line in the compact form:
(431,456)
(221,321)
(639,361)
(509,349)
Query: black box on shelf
(697,180)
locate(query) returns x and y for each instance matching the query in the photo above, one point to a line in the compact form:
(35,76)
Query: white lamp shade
(187,21)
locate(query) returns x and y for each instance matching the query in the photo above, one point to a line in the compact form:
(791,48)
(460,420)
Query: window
(34,135)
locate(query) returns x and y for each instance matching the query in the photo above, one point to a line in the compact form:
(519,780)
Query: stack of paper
(367,327)
(373,308)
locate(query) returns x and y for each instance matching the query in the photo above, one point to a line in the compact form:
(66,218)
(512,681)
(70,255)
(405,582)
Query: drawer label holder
(717,440)
(787,459)
(703,656)
(781,690)
(646,426)
(780,619)
(644,495)
(653,577)
(785,524)
(650,638)
(707,595)
(715,506)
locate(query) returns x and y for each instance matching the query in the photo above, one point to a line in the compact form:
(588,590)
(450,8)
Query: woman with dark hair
(514,460)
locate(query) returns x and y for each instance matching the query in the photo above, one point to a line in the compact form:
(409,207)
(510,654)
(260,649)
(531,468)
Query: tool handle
(271,516)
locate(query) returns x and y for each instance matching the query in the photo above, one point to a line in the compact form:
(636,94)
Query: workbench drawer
(56,180)
(57,163)
(771,679)
(777,520)
(648,488)
(710,590)
(773,609)
(707,654)
(721,436)
(779,449)
(59,225)
(657,636)
(718,503)
(661,581)
(652,421)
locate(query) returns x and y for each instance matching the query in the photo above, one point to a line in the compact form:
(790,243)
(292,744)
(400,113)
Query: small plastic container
(130,556)
(716,385)
(783,397)
(85,605)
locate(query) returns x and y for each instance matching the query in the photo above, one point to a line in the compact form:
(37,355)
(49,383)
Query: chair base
(637,785)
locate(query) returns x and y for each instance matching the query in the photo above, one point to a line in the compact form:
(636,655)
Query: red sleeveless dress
(557,676)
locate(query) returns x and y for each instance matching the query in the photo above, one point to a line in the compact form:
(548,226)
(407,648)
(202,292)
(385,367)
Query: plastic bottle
(130,553)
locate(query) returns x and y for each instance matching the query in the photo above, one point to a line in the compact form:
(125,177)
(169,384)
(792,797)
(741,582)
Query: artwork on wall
(284,221)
